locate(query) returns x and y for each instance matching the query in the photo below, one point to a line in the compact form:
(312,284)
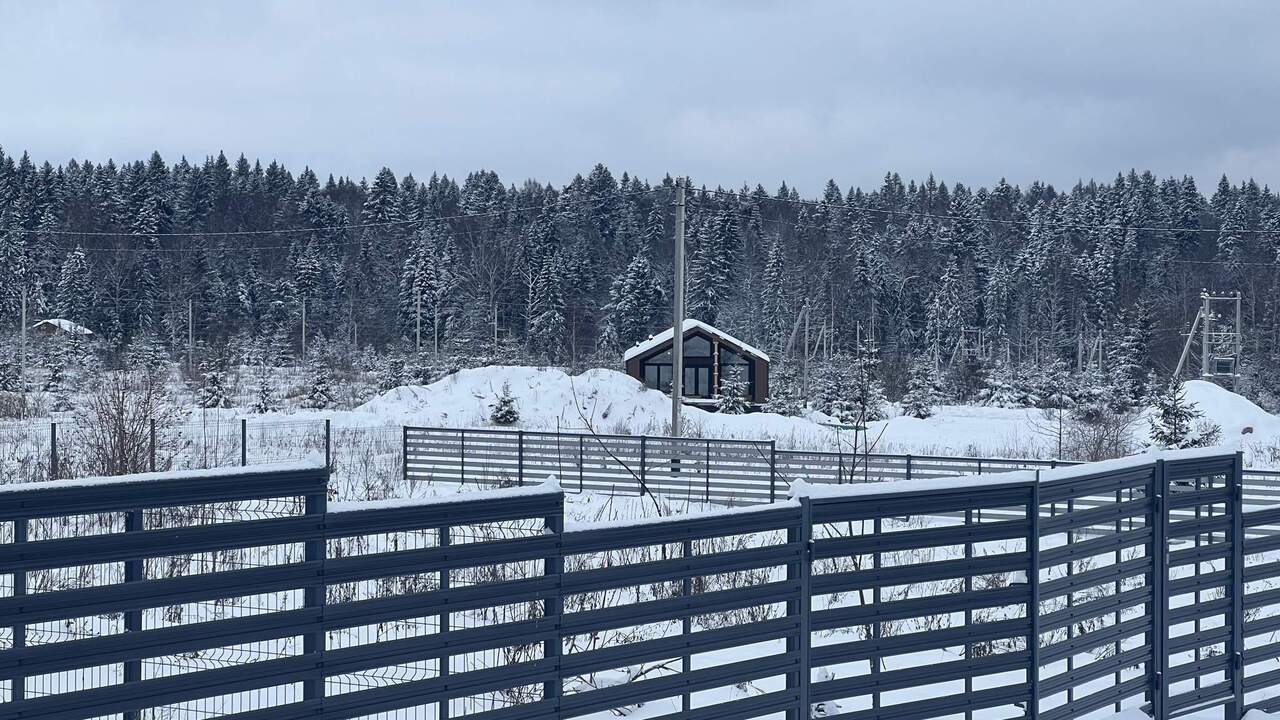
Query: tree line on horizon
(989,285)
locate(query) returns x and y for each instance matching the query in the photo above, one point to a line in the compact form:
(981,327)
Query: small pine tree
(784,393)
(213,387)
(391,373)
(504,410)
(922,389)
(733,395)
(320,394)
(1000,387)
(265,399)
(867,391)
(9,377)
(56,388)
(1174,421)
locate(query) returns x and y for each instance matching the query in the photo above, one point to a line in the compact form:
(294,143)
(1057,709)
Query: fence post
(553,566)
(1237,586)
(244,442)
(582,458)
(706,474)
(1159,599)
(17,686)
(315,594)
(328,443)
(520,457)
(133,572)
(644,461)
(404,454)
(153,444)
(908,466)
(1033,606)
(773,470)
(442,620)
(686,626)
(799,609)
(53,451)
(462,457)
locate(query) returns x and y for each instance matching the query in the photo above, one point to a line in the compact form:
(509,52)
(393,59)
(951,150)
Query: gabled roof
(65,326)
(665,337)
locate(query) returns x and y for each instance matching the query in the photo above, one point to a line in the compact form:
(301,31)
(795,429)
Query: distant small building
(58,326)
(710,355)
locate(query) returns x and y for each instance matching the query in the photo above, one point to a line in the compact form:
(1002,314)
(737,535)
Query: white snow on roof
(66,326)
(665,336)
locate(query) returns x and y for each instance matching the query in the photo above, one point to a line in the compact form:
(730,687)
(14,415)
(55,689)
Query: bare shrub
(114,424)
(1099,437)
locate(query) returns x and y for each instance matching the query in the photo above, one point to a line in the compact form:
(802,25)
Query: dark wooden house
(710,358)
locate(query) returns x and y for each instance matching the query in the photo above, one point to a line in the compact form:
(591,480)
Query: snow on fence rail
(1149,582)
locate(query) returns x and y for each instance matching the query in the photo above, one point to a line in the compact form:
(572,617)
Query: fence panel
(165,594)
(1095,591)
(666,613)
(1201,648)
(920,600)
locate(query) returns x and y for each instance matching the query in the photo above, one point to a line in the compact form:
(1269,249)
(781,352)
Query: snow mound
(608,401)
(1233,412)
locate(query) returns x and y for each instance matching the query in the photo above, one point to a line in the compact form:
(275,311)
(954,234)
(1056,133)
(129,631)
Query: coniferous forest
(985,293)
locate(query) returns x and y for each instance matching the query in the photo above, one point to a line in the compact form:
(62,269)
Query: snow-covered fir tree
(1176,422)
(922,388)
(733,398)
(637,303)
(548,329)
(265,397)
(504,410)
(784,392)
(866,389)
(319,388)
(213,386)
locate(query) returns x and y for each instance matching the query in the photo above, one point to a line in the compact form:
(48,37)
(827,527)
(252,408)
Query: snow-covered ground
(611,402)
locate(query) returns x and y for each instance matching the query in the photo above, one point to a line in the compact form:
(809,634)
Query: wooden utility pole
(191,335)
(304,331)
(22,364)
(417,322)
(1206,349)
(804,378)
(677,315)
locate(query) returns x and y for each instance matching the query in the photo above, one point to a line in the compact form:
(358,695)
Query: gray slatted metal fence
(245,594)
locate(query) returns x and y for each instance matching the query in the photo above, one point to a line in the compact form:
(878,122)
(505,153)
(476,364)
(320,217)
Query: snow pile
(1233,412)
(550,399)
(610,402)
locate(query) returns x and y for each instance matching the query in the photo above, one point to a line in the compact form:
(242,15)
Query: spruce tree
(213,386)
(504,410)
(733,398)
(866,390)
(1174,419)
(265,398)
(922,388)
(547,327)
(637,302)
(319,392)
(784,392)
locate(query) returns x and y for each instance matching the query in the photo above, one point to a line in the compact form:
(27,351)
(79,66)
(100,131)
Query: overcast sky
(725,92)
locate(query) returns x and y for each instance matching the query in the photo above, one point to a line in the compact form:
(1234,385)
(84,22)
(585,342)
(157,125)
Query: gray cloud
(727,92)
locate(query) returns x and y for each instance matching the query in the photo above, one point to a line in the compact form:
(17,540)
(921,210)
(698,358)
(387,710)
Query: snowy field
(611,402)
